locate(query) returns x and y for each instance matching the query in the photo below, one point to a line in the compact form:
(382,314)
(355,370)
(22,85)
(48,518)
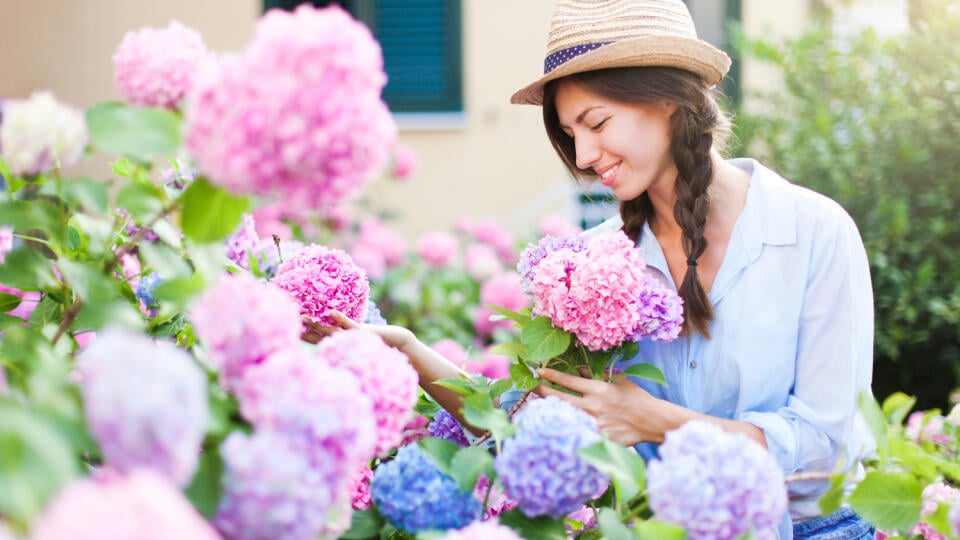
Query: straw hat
(596,34)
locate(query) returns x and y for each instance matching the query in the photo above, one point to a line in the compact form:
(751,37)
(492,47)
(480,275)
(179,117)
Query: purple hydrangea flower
(320,279)
(373,314)
(661,313)
(269,256)
(273,489)
(179,176)
(445,426)
(953,517)
(540,466)
(131,228)
(531,256)
(483,530)
(146,403)
(716,484)
(242,242)
(414,495)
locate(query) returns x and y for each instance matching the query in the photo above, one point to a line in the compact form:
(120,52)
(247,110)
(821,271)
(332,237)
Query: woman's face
(626,145)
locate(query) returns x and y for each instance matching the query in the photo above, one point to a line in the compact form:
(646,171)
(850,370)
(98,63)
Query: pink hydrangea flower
(601,294)
(360,488)
(503,291)
(415,430)
(375,234)
(320,279)
(28,301)
(385,376)
(481,261)
(130,266)
(438,249)
(145,402)
(154,67)
(298,115)
(932,430)
(241,321)
(497,501)
(482,530)
(370,259)
(296,392)
(140,505)
(491,365)
(558,226)
(405,162)
(6,242)
(490,232)
(451,350)
(268,220)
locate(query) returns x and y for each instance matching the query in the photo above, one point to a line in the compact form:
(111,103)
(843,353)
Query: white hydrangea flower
(39,134)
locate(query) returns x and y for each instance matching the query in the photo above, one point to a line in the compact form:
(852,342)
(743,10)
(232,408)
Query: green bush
(872,122)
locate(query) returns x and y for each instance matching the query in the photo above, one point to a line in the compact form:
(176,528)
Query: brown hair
(697,126)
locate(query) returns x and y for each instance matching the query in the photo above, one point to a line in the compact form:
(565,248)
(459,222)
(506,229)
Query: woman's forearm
(431,366)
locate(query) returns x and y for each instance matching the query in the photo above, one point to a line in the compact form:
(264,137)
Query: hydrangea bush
(153,379)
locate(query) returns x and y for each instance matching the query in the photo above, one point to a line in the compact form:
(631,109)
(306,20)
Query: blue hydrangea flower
(445,426)
(414,495)
(540,467)
(373,314)
(531,256)
(717,485)
(145,289)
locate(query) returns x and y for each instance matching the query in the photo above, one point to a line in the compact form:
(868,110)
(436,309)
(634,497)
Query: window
(421,41)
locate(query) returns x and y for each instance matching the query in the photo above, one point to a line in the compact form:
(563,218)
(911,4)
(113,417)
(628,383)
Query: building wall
(497,163)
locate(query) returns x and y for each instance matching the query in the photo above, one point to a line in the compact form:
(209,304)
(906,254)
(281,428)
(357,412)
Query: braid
(634,214)
(690,147)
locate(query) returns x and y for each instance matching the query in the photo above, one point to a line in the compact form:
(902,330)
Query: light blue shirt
(791,343)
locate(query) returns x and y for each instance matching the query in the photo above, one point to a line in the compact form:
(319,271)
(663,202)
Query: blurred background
(859,99)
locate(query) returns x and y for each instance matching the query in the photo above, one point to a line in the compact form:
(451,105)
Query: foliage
(872,123)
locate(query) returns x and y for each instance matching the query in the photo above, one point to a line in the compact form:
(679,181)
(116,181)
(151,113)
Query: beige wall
(498,163)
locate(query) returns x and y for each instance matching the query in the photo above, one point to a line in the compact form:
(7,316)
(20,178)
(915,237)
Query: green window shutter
(421,41)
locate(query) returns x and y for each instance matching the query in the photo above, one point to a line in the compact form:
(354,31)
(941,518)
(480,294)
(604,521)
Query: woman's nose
(588,152)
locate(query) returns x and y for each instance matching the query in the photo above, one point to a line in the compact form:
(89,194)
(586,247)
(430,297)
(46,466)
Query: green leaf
(896,407)
(622,465)
(658,530)
(459,386)
(874,418)
(543,340)
(440,452)
(541,528)
(500,387)
(830,501)
(468,464)
(6,321)
(521,318)
(28,216)
(117,313)
(164,260)
(142,134)
(646,371)
(939,519)
(27,269)
(9,302)
(141,200)
(510,349)
(86,193)
(35,462)
(209,212)
(206,487)
(888,501)
(179,291)
(522,377)
(89,282)
(478,411)
(96,233)
(364,524)
(611,526)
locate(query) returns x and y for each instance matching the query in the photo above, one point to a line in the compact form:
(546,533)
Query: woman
(778,331)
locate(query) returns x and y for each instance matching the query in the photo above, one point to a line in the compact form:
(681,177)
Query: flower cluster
(540,466)
(243,242)
(482,530)
(602,294)
(377,247)
(298,115)
(716,484)
(385,376)
(154,67)
(373,315)
(178,176)
(504,290)
(414,495)
(488,231)
(320,279)
(296,392)
(273,489)
(531,256)
(146,403)
(146,288)
(445,426)
(405,162)
(438,249)
(359,488)
(40,134)
(269,255)
(263,320)
(139,505)
(6,242)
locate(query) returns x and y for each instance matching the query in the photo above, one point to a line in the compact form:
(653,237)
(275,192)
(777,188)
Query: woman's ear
(670,107)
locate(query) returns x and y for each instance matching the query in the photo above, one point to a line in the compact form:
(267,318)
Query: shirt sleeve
(814,430)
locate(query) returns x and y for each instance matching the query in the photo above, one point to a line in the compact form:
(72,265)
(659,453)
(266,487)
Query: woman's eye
(598,126)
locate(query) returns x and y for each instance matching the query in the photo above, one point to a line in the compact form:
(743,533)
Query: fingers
(545,391)
(342,320)
(579,384)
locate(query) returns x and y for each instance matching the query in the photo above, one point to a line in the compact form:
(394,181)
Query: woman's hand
(618,407)
(395,336)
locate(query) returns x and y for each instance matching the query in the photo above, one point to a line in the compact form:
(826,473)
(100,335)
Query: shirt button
(693,364)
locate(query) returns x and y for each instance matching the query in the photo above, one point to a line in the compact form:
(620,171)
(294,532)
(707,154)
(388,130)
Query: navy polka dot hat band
(586,35)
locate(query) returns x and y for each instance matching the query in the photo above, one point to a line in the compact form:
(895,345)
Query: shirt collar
(768,217)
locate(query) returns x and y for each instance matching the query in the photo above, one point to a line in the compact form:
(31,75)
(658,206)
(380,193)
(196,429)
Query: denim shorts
(843,524)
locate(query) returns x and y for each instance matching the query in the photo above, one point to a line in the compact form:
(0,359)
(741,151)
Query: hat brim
(693,55)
